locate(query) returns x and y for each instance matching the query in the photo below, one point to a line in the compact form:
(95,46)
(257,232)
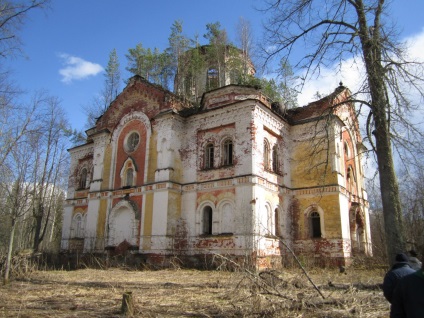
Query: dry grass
(191,293)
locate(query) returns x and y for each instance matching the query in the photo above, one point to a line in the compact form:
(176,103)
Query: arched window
(78,226)
(337,164)
(83,179)
(227,152)
(227,218)
(209,156)
(270,221)
(346,149)
(212,78)
(275,159)
(129,177)
(315,224)
(266,154)
(207,221)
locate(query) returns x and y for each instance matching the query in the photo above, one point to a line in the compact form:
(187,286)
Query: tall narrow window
(270,221)
(189,85)
(315,225)
(266,154)
(212,78)
(277,223)
(207,220)
(337,159)
(78,226)
(83,179)
(228,152)
(275,159)
(129,177)
(346,149)
(209,156)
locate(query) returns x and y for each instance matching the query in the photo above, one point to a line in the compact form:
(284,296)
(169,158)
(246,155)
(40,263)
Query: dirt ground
(192,293)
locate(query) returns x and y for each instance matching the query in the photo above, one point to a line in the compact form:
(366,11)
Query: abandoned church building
(234,175)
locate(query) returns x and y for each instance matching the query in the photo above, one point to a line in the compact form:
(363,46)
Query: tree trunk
(127,307)
(389,188)
(380,106)
(38,222)
(9,253)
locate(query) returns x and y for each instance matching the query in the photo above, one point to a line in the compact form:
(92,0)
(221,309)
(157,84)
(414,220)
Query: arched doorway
(122,225)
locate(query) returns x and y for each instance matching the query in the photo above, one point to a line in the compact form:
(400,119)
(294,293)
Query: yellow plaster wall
(174,211)
(148,219)
(310,171)
(101,220)
(106,168)
(331,207)
(153,158)
(215,196)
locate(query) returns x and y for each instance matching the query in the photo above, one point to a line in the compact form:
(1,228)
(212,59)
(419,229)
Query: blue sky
(67,48)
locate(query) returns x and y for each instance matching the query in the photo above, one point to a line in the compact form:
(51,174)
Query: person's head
(401,258)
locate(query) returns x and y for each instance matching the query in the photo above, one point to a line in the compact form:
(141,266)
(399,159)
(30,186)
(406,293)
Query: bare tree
(12,17)
(16,192)
(14,119)
(49,150)
(412,199)
(335,30)
(32,175)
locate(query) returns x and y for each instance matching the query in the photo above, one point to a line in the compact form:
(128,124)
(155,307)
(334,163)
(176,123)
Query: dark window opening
(316,225)
(129,177)
(207,220)
(277,223)
(266,154)
(83,179)
(275,159)
(228,153)
(209,156)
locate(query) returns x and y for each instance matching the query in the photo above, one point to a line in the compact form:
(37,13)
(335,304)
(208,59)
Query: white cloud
(76,68)
(415,46)
(352,75)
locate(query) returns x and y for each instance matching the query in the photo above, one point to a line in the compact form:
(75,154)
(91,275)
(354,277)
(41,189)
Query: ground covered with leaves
(192,293)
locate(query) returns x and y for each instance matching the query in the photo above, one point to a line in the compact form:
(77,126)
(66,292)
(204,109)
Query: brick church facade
(236,176)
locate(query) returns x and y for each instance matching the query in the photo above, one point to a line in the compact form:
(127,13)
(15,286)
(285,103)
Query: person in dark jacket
(400,269)
(408,296)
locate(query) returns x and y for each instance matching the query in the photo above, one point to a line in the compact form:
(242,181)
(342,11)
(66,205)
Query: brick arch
(199,214)
(278,219)
(134,122)
(308,212)
(226,216)
(128,164)
(357,229)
